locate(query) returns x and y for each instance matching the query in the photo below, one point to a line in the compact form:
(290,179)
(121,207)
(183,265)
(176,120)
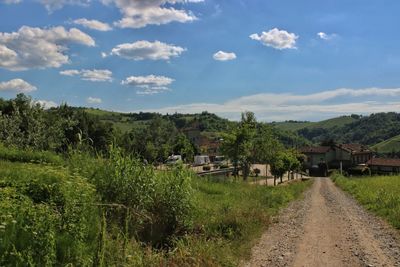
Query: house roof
(384,162)
(354,148)
(315,149)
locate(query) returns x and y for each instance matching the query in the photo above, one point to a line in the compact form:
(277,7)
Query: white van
(201,160)
(174,159)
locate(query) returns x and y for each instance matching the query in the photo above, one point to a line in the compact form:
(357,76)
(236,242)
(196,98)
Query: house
(336,156)
(384,166)
(206,143)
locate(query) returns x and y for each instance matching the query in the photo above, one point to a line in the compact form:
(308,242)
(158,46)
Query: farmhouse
(382,165)
(335,156)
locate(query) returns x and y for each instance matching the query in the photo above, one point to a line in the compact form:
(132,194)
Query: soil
(327,228)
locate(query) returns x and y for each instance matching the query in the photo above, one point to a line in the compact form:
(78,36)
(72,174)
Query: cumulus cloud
(30,48)
(224,56)
(17,85)
(47,104)
(94,100)
(278,39)
(326,37)
(93,24)
(142,50)
(148,85)
(52,5)
(139,13)
(90,75)
(315,106)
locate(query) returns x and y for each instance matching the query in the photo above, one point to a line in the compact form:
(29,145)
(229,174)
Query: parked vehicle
(173,159)
(201,160)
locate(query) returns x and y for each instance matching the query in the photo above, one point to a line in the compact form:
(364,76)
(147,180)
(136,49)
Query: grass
(379,194)
(388,146)
(232,215)
(52,207)
(29,155)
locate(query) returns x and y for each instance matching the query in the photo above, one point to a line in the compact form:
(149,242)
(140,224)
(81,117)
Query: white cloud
(224,56)
(10,1)
(140,13)
(315,106)
(278,39)
(142,50)
(17,85)
(90,75)
(39,48)
(326,37)
(52,5)
(47,104)
(94,100)
(103,54)
(148,85)
(93,24)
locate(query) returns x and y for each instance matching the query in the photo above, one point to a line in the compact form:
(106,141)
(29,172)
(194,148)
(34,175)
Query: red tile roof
(384,162)
(315,149)
(354,147)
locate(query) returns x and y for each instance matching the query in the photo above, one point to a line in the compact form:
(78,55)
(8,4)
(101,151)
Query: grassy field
(46,219)
(325,124)
(379,194)
(388,146)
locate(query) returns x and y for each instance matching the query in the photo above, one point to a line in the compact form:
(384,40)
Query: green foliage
(380,194)
(29,155)
(388,146)
(47,217)
(229,226)
(155,205)
(238,145)
(367,130)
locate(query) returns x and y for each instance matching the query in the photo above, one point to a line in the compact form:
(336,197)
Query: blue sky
(305,60)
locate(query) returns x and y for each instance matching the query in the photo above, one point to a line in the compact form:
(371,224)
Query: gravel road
(327,228)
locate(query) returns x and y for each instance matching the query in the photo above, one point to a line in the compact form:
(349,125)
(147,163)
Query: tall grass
(116,211)
(380,194)
(47,217)
(29,155)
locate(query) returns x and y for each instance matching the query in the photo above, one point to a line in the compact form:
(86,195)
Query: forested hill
(368,130)
(207,123)
(127,121)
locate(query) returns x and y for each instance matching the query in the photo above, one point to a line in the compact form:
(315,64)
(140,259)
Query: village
(348,159)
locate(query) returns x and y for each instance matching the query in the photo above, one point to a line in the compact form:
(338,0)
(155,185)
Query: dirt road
(327,228)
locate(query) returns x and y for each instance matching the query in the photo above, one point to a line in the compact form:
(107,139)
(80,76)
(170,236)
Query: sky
(281,59)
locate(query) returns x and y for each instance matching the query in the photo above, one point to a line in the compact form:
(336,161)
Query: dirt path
(327,228)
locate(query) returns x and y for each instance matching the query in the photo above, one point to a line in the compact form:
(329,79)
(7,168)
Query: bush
(29,155)
(152,206)
(48,217)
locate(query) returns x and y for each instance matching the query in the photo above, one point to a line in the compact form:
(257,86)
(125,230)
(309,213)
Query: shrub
(29,155)
(48,217)
(152,206)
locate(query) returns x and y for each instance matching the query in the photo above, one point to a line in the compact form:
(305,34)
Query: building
(338,156)
(384,166)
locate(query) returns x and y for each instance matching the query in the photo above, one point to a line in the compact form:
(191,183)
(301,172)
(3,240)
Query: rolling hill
(388,146)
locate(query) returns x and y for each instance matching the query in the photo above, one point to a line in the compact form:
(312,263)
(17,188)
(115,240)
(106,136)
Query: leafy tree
(238,145)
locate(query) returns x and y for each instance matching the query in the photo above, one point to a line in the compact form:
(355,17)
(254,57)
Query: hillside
(388,146)
(325,124)
(368,130)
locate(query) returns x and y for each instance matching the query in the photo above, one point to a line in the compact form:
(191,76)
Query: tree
(183,147)
(238,145)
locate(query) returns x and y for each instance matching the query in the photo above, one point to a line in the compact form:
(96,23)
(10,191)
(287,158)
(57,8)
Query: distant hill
(367,130)
(325,124)
(209,124)
(388,146)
